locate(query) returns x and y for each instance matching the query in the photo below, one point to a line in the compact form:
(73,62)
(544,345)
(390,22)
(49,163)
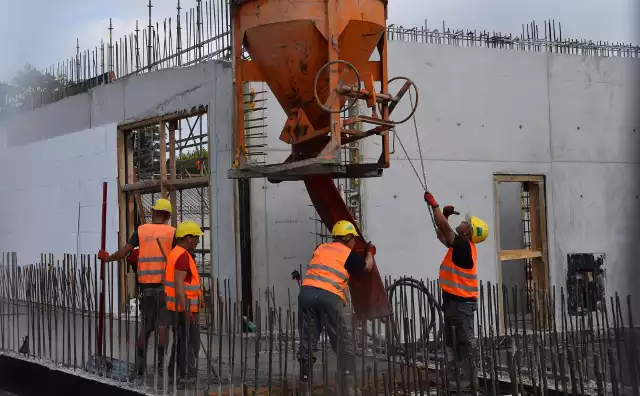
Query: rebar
(555,353)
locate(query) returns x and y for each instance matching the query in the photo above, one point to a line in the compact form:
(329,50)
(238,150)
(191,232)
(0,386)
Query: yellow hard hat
(479,229)
(343,228)
(188,228)
(162,205)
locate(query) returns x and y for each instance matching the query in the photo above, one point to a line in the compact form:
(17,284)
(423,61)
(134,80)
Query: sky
(44,32)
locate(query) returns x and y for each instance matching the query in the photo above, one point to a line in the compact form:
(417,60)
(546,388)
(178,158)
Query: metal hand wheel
(403,91)
(334,95)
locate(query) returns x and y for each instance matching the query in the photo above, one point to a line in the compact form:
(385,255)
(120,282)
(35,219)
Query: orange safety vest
(192,289)
(458,281)
(326,269)
(151,263)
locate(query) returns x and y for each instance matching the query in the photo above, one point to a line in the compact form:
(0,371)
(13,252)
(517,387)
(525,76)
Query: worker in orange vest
(150,273)
(323,297)
(459,284)
(182,289)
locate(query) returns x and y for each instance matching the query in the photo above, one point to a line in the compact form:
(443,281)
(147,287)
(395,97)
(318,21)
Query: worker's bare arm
(368,260)
(441,238)
(443,226)
(180,290)
(121,253)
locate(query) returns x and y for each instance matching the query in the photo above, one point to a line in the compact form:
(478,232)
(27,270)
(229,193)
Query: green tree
(188,161)
(33,88)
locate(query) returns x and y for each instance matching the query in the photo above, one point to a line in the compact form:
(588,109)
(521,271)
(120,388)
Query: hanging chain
(423,179)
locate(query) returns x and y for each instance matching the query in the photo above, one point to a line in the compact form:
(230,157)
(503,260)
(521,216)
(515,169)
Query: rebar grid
(47,314)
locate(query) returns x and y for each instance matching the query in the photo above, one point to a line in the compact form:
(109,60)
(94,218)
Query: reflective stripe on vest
(326,269)
(191,289)
(458,281)
(151,263)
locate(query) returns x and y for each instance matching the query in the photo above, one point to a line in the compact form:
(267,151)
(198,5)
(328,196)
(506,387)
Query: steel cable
(423,179)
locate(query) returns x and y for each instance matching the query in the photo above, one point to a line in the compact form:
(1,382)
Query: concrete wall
(282,217)
(72,143)
(482,111)
(43,183)
(487,111)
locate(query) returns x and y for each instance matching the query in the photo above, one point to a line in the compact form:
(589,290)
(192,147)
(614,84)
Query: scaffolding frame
(177,170)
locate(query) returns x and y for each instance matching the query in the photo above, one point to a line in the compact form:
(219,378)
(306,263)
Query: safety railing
(48,315)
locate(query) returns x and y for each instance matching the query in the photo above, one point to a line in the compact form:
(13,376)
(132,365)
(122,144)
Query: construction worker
(150,272)
(322,299)
(182,287)
(459,284)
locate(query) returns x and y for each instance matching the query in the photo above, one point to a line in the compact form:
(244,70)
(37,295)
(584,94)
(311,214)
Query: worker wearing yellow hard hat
(184,299)
(154,241)
(323,295)
(459,285)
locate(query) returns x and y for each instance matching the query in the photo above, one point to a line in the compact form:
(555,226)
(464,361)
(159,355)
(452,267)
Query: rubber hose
(434,306)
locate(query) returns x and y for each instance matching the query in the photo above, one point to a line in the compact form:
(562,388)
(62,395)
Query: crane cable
(423,179)
(434,306)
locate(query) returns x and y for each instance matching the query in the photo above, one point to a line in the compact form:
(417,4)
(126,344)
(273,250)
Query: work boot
(304,382)
(465,384)
(348,384)
(304,385)
(141,363)
(472,373)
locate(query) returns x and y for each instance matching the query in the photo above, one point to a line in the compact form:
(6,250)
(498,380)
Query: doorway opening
(164,157)
(521,231)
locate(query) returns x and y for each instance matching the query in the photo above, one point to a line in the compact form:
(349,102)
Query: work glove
(448,211)
(295,275)
(428,198)
(103,255)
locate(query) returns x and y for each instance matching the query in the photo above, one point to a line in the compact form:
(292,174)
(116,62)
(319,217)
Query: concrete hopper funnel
(316,58)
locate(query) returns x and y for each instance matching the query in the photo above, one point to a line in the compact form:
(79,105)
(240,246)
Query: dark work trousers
(320,309)
(460,315)
(154,317)
(186,344)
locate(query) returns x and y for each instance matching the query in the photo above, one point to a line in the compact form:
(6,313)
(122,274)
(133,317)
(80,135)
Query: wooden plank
(505,178)
(150,186)
(496,209)
(534,217)
(130,222)
(544,243)
(537,270)
(138,202)
(122,217)
(173,126)
(163,159)
(519,254)
(176,115)
(538,234)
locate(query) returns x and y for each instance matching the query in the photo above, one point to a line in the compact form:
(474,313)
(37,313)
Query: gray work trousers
(460,315)
(323,310)
(186,345)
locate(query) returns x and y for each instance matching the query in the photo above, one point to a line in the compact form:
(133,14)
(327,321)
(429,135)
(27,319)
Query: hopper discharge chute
(315,56)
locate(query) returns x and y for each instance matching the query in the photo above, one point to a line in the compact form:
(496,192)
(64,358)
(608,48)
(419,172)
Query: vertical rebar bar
(150,27)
